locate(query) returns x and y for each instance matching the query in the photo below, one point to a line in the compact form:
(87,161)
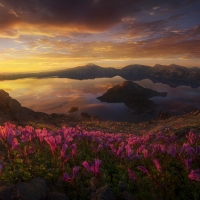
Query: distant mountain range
(173,75)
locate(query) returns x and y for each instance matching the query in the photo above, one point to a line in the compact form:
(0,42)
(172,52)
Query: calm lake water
(56,95)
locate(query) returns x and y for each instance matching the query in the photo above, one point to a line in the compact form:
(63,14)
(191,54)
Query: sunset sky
(43,35)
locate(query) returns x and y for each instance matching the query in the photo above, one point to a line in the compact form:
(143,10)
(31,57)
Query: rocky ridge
(12,111)
(173,75)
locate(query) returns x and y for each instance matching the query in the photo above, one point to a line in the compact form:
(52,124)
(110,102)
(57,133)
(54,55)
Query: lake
(58,95)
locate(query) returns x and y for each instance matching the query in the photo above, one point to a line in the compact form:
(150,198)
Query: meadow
(149,166)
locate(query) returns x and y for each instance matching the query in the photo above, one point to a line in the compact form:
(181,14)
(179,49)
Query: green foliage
(171,183)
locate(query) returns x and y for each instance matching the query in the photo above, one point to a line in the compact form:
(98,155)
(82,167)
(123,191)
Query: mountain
(173,75)
(132,95)
(135,72)
(89,71)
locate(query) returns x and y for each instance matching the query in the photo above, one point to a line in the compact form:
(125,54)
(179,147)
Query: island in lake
(132,95)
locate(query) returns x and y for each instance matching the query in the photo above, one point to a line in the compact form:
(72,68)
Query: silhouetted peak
(136,65)
(91,65)
(3,93)
(160,66)
(126,84)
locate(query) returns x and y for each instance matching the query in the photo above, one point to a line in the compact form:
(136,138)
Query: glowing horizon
(51,35)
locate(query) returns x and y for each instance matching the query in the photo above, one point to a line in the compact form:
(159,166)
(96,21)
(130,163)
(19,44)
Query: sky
(46,35)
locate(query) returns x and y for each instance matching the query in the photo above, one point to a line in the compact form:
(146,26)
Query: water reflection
(59,95)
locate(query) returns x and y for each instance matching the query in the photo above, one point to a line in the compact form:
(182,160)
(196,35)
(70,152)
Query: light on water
(58,95)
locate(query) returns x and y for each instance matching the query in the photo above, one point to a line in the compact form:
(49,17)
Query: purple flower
(188,163)
(195,175)
(132,176)
(75,171)
(64,148)
(15,143)
(74,147)
(58,139)
(145,152)
(99,147)
(143,169)
(157,164)
(52,143)
(190,151)
(86,165)
(119,151)
(10,136)
(172,150)
(185,145)
(66,177)
(94,168)
(191,137)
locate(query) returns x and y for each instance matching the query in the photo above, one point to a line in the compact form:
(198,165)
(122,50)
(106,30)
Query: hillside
(12,111)
(67,157)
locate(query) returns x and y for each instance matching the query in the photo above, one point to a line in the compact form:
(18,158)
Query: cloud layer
(61,33)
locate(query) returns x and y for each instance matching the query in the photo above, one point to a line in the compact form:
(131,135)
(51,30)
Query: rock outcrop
(12,111)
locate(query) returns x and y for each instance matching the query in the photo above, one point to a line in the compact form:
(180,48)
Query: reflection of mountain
(173,75)
(132,95)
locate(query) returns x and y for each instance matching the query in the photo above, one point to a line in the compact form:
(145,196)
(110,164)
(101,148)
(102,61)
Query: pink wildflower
(119,151)
(64,148)
(94,168)
(10,136)
(143,169)
(157,164)
(52,143)
(195,175)
(86,165)
(185,145)
(190,151)
(191,137)
(66,177)
(132,176)
(75,171)
(15,143)
(145,152)
(188,163)
(58,139)
(129,151)
(99,147)
(74,147)
(172,150)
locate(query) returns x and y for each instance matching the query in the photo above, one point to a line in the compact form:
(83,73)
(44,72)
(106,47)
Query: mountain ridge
(173,75)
